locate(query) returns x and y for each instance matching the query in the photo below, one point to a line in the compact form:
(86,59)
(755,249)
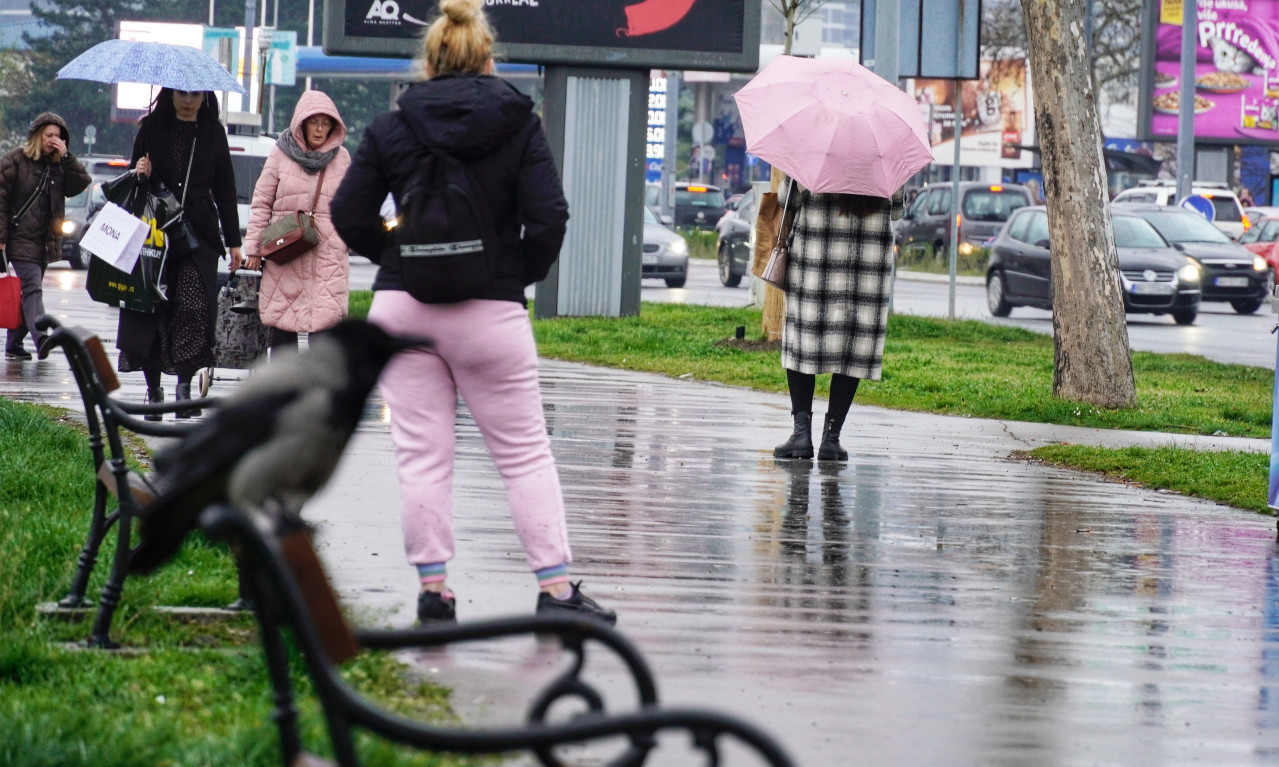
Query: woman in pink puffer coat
(309,293)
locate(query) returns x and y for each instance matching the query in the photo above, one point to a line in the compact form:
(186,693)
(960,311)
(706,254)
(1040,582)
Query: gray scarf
(311,161)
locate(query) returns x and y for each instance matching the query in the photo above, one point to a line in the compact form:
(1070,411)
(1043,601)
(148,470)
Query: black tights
(186,372)
(842,390)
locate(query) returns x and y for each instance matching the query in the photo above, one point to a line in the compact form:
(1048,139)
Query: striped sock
(436,572)
(552,576)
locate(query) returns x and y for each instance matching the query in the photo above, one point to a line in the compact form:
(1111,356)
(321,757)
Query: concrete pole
(310,31)
(250,16)
(1186,109)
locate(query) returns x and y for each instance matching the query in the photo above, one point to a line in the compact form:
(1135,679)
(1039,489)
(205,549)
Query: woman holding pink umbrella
(850,140)
(838,284)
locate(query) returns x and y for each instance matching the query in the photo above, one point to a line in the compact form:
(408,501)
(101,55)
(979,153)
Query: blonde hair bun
(461,11)
(459,40)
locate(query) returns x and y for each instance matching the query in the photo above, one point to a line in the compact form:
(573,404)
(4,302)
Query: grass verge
(189,694)
(1230,477)
(962,368)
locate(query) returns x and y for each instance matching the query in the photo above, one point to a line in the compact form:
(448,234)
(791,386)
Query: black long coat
(210,208)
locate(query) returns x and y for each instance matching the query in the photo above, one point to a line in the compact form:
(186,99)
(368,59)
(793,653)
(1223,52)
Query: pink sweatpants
(484,350)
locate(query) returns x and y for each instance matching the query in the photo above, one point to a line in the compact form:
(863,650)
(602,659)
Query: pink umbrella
(833,126)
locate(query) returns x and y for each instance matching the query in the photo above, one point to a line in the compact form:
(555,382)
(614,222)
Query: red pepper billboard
(640,34)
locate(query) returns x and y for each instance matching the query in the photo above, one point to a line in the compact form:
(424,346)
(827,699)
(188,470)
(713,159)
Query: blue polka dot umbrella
(180,67)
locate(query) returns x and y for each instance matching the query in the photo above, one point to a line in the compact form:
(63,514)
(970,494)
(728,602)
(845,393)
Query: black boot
(830,449)
(184,392)
(800,444)
(155,396)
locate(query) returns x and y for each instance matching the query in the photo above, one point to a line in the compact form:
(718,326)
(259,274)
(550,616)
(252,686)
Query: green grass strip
(1231,477)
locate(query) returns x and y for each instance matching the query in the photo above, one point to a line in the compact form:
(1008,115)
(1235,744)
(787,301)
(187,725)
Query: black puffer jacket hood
(470,116)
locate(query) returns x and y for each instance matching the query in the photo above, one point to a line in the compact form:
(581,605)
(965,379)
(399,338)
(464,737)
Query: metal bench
(105,417)
(279,567)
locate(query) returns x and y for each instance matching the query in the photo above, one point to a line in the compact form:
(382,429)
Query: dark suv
(698,205)
(983,210)
(1231,272)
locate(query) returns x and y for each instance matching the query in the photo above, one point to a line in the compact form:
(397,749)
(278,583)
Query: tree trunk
(1091,361)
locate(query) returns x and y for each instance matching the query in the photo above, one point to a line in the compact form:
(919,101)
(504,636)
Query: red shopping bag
(10,298)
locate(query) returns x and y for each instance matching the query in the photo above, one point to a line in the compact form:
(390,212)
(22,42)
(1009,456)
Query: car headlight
(1188,273)
(677,247)
(1259,264)
(68,227)
(965,248)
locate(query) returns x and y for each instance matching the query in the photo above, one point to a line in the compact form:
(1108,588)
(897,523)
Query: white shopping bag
(116,237)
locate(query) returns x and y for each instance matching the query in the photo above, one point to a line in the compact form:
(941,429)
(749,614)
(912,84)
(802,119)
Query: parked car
(1228,214)
(1262,238)
(733,241)
(698,205)
(1156,277)
(1231,272)
(79,211)
(983,209)
(665,254)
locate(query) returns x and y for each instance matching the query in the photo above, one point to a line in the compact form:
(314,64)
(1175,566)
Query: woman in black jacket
(182,137)
(484,347)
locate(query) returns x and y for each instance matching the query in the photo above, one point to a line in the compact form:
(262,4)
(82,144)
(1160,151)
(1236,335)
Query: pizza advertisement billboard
(1236,85)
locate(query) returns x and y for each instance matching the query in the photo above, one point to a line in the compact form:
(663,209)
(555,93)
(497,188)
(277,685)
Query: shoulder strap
(315,198)
(26,206)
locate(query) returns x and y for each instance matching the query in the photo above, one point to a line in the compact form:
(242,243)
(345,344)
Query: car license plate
(649,260)
(1152,288)
(1231,282)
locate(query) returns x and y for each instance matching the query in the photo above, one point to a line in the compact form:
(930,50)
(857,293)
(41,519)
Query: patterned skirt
(838,286)
(185,328)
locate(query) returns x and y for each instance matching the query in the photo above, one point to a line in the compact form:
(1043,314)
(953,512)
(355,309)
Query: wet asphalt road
(931,602)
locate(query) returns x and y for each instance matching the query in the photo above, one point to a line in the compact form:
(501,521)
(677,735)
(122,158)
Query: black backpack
(446,242)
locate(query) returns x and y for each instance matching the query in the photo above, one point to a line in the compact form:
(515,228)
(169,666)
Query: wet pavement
(931,602)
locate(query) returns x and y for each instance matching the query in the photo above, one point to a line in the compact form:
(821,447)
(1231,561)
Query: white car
(1228,214)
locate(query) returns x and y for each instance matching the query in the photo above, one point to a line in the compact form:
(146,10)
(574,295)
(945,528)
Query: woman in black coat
(182,136)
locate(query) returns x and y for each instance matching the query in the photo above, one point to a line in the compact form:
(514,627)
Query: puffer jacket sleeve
(543,211)
(263,202)
(75,179)
(8,183)
(355,208)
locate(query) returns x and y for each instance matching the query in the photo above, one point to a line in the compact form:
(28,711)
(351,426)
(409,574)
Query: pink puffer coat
(310,292)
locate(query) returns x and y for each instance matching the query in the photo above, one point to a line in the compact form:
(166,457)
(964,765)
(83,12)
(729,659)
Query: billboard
(1236,72)
(995,115)
(631,34)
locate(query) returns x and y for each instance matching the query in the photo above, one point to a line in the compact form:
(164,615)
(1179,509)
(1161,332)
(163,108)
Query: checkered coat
(838,283)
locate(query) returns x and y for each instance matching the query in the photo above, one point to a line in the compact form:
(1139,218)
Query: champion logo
(383,10)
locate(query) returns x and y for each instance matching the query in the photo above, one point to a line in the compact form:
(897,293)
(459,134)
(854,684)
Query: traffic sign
(1199,204)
